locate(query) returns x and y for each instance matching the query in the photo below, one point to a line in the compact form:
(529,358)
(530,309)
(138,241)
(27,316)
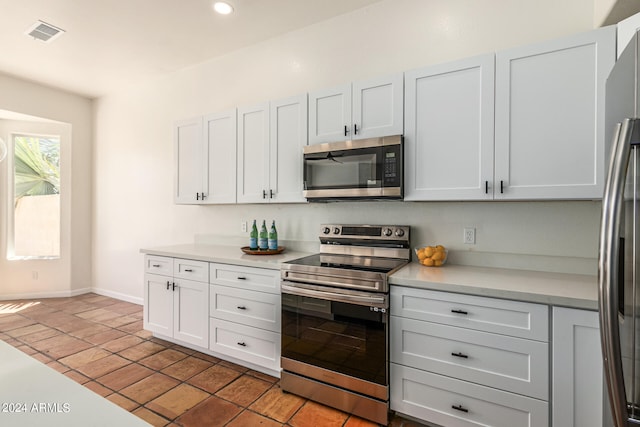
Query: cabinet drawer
(434,398)
(514,318)
(158,265)
(245,342)
(257,279)
(251,308)
(500,361)
(191,270)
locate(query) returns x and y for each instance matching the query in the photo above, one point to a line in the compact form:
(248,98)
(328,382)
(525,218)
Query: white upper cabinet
(270,141)
(549,124)
(188,150)
(627,28)
(253,153)
(288,137)
(364,109)
(203,150)
(448,131)
(220,157)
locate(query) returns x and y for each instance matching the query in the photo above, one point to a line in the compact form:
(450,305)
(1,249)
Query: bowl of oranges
(432,256)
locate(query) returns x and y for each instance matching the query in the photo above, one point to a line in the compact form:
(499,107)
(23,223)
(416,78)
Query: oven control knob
(326,230)
(387,232)
(399,232)
(336,230)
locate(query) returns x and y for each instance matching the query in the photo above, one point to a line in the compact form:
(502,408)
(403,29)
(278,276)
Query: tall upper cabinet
(203,146)
(449,130)
(550,141)
(627,28)
(538,134)
(357,110)
(270,141)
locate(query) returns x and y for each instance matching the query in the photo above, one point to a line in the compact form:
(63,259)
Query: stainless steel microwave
(354,170)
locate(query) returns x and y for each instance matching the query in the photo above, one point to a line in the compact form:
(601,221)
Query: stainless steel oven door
(341,332)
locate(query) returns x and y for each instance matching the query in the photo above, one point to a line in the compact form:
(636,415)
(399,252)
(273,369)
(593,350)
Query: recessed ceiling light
(222,7)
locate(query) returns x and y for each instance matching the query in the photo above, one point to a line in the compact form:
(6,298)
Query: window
(36,191)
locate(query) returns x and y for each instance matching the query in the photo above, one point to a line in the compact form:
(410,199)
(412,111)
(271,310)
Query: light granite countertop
(560,289)
(224,255)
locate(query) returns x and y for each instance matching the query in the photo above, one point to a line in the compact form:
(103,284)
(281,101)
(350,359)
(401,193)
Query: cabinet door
(220,157)
(449,117)
(188,180)
(330,115)
(577,368)
(191,312)
(377,107)
(158,304)
(627,28)
(288,137)
(550,139)
(253,154)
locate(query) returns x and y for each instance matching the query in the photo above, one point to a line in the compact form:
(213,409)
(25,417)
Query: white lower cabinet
(244,310)
(577,369)
(460,360)
(176,301)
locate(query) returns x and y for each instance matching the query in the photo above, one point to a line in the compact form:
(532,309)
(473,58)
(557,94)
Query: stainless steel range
(335,318)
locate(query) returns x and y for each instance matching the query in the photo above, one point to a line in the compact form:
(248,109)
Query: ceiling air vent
(43,31)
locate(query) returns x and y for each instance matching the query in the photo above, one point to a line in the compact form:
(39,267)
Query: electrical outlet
(469,237)
(243,225)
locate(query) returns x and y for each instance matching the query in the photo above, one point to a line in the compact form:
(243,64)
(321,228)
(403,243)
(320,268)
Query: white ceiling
(109,43)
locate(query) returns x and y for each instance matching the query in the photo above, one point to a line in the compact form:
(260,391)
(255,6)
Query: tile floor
(99,342)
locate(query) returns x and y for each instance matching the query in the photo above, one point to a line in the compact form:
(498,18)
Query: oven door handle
(335,296)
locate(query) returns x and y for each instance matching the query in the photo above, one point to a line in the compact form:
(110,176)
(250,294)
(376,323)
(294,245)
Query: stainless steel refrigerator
(619,251)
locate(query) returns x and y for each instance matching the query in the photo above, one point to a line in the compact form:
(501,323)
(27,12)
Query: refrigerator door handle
(608,255)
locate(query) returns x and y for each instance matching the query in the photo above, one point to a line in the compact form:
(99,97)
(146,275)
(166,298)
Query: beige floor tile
(244,390)
(177,401)
(149,388)
(277,405)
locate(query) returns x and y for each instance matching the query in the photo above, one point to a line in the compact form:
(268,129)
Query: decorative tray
(246,250)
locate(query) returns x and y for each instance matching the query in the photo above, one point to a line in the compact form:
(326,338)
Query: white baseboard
(118,295)
(37,295)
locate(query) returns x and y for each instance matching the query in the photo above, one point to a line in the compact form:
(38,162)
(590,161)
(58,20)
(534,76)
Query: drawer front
(191,270)
(252,345)
(512,364)
(257,309)
(514,318)
(257,279)
(455,403)
(158,265)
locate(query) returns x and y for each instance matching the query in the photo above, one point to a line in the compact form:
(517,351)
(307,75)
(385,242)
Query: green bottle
(263,243)
(253,237)
(273,237)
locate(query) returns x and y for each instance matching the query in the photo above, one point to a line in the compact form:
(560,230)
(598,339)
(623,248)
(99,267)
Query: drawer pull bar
(241,307)
(155,265)
(175,286)
(459,312)
(188,270)
(460,408)
(458,354)
(242,278)
(242,344)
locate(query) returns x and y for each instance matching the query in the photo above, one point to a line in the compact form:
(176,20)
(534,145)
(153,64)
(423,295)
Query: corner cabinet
(578,387)
(449,130)
(271,137)
(203,148)
(363,109)
(550,140)
(176,293)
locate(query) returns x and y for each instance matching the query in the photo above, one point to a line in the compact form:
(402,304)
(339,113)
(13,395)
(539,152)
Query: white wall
(71,273)
(133,155)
